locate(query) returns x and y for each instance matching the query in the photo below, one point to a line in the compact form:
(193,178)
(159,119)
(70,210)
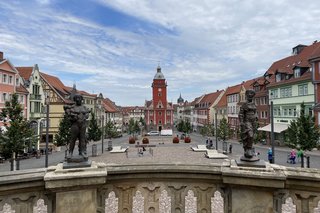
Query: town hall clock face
(159,89)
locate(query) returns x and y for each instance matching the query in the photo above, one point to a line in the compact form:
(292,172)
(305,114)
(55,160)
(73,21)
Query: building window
(4,78)
(160,113)
(10,79)
(285,92)
(168,112)
(17,81)
(297,72)
(160,121)
(4,97)
(303,89)
(274,93)
(159,94)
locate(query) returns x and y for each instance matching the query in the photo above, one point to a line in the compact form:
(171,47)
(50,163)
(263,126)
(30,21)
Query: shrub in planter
(132,140)
(175,140)
(187,139)
(145,140)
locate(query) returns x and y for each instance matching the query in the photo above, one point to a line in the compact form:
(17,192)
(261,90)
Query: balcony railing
(161,188)
(35,97)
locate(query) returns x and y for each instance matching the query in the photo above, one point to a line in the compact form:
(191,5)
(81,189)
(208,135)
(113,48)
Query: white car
(153,133)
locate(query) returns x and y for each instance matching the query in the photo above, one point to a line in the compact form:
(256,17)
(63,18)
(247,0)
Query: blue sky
(114,46)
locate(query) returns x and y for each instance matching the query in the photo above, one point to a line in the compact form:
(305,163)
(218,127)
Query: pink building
(10,83)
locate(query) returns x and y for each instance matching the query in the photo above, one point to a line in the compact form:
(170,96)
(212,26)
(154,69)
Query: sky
(113,47)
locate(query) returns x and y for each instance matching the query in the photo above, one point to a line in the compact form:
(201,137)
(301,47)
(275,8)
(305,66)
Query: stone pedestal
(75,188)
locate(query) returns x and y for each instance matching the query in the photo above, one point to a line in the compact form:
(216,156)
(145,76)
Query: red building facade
(159,112)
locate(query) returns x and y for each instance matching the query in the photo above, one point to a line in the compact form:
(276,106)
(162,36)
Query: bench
(146,145)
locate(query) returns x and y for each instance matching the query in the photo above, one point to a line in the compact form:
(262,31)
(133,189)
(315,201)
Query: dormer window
(278,77)
(297,72)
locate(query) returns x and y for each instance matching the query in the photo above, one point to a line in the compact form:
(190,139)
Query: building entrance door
(160,128)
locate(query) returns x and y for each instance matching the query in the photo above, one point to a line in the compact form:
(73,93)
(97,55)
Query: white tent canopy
(278,128)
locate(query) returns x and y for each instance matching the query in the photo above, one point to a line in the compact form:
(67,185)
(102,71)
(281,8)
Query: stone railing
(161,188)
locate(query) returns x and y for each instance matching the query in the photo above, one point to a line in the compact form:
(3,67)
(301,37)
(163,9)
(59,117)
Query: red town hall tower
(159,112)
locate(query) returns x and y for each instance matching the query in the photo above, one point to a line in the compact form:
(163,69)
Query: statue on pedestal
(248,125)
(78,115)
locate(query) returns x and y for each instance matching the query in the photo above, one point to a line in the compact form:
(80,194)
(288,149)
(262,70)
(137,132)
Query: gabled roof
(25,72)
(109,106)
(21,89)
(210,98)
(233,89)
(287,64)
(248,84)
(223,101)
(7,66)
(56,83)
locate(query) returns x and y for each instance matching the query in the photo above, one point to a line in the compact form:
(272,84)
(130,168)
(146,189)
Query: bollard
(11,164)
(302,160)
(308,161)
(17,164)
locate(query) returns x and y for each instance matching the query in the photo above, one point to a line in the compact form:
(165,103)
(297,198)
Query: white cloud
(209,44)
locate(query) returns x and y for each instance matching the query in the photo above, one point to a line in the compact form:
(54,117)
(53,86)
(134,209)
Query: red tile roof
(25,72)
(109,106)
(315,54)
(248,84)
(223,100)
(210,98)
(56,83)
(287,64)
(21,89)
(233,89)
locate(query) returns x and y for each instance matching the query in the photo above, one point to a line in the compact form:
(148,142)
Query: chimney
(1,56)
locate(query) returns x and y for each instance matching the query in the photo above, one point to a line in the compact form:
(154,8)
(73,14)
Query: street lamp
(47,127)
(272,131)
(102,133)
(216,128)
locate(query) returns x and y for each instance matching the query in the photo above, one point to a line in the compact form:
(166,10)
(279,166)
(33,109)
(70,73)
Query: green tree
(187,126)
(303,132)
(110,130)
(180,126)
(63,136)
(207,130)
(18,133)
(94,132)
(224,130)
(136,127)
(131,126)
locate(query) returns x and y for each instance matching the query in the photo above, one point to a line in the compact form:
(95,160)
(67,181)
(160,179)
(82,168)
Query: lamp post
(272,132)
(102,132)
(216,126)
(47,128)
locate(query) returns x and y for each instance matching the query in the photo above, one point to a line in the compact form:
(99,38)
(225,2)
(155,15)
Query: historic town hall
(159,112)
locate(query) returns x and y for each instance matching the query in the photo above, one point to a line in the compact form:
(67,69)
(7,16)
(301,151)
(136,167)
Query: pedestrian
(299,154)
(270,155)
(293,156)
(230,148)
(211,144)
(207,142)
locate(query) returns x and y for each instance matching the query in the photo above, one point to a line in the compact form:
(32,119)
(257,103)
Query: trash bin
(109,145)
(94,150)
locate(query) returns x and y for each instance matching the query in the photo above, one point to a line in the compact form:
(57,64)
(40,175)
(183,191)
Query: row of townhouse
(287,83)
(37,90)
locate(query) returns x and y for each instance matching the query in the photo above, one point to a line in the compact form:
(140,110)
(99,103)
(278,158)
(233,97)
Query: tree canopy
(19,133)
(224,131)
(94,132)
(63,136)
(303,133)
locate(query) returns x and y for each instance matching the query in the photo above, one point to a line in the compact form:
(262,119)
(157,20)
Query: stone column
(75,189)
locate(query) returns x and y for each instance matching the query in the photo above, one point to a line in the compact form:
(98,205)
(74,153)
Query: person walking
(230,148)
(270,155)
(293,156)
(299,154)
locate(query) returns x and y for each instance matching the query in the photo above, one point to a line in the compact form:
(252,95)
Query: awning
(277,128)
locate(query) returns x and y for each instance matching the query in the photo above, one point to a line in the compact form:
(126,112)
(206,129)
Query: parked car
(152,133)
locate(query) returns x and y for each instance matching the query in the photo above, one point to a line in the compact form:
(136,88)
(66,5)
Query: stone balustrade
(161,188)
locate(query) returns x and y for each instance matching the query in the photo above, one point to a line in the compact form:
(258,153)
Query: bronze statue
(78,115)
(248,124)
